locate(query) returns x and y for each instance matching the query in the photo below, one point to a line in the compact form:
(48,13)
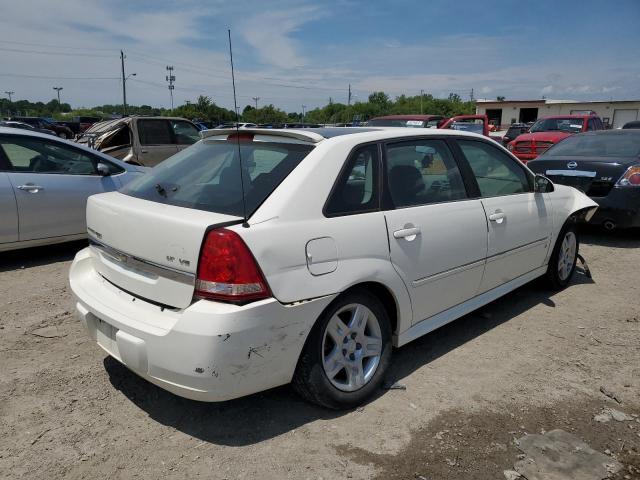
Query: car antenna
(245,224)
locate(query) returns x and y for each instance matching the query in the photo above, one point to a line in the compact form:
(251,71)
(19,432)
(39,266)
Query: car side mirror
(542,184)
(103,170)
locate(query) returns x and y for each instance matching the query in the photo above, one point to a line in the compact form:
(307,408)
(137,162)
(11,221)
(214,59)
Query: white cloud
(269,33)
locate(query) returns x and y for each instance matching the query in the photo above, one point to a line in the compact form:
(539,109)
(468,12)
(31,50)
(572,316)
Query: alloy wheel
(567,255)
(351,347)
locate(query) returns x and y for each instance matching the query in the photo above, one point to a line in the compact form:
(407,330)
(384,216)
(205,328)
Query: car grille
(527,146)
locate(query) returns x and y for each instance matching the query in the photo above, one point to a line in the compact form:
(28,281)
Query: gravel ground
(527,363)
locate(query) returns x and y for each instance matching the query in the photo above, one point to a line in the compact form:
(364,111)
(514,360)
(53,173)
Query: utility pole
(9,95)
(421,96)
(330,101)
(349,97)
(171,78)
(471,95)
(303,107)
(57,89)
(255,99)
(124,86)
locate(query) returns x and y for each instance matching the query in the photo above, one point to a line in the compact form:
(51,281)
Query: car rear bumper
(209,351)
(621,206)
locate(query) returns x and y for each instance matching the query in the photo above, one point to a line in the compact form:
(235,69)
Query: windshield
(597,146)
(206,176)
(396,122)
(569,125)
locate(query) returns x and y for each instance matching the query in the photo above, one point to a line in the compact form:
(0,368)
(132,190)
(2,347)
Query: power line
(40,52)
(46,77)
(56,46)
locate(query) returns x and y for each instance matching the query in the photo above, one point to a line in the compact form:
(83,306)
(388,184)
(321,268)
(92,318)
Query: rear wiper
(160,189)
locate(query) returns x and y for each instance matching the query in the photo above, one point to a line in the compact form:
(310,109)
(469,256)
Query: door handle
(498,216)
(31,188)
(407,233)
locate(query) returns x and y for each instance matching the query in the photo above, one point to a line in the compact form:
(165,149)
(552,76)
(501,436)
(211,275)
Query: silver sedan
(44,186)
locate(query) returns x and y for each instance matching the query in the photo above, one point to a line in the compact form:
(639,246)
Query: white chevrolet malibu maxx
(262,257)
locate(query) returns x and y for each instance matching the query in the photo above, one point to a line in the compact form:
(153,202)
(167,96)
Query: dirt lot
(526,363)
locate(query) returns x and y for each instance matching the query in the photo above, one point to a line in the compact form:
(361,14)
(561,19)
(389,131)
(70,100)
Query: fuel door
(322,256)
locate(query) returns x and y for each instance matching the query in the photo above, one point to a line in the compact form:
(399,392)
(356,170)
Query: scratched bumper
(209,351)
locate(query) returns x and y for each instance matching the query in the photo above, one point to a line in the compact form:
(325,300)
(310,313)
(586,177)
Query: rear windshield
(569,125)
(597,146)
(395,122)
(206,176)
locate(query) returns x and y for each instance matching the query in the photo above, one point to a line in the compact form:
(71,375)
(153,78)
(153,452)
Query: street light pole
(57,89)
(9,95)
(303,112)
(255,99)
(421,97)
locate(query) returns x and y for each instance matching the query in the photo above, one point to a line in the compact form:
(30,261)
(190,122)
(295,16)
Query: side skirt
(429,325)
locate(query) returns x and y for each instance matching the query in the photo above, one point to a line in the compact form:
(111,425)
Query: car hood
(553,137)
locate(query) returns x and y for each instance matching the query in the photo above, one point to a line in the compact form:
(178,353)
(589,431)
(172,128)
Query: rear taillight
(227,270)
(631,178)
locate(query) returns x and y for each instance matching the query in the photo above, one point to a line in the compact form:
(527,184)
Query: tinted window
(206,176)
(495,171)
(393,122)
(601,145)
(569,125)
(591,125)
(154,132)
(34,155)
(185,133)
(356,190)
(422,172)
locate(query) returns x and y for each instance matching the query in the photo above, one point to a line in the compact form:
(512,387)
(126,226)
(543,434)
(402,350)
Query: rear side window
(495,171)
(185,133)
(33,155)
(422,172)
(357,188)
(154,132)
(206,176)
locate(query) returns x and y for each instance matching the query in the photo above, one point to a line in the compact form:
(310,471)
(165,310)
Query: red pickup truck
(548,131)
(469,123)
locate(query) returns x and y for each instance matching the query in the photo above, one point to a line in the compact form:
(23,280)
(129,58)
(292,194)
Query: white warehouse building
(614,113)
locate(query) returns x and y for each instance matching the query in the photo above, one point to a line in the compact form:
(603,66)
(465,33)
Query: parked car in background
(42,123)
(548,131)
(634,124)
(411,121)
(514,130)
(79,124)
(44,185)
(141,140)
(336,245)
(606,166)
(240,125)
(468,123)
(25,126)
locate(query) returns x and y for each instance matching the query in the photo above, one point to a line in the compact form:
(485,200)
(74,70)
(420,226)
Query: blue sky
(291,53)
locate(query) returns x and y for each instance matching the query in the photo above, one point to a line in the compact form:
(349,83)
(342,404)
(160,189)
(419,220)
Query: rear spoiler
(301,135)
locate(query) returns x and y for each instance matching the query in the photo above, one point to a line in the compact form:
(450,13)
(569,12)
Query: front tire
(563,259)
(63,135)
(347,353)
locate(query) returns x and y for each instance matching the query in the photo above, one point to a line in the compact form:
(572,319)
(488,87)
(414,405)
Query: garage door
(622,116)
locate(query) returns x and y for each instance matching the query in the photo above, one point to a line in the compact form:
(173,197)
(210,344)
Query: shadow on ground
(629,238)
(38,256)
(268,414)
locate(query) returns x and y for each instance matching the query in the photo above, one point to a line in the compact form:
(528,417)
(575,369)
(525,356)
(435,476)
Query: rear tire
(63,135)
(347,353)
(563,259)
